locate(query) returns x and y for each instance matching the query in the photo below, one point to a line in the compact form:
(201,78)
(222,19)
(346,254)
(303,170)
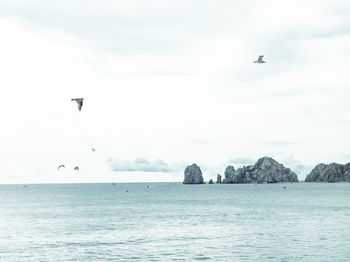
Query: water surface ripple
(175,222)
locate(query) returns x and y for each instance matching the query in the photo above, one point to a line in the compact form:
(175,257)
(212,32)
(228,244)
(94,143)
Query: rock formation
(211,181)
(193,175)
(329,173)
(229,175)
(218,179)
(265,170)
(240,175)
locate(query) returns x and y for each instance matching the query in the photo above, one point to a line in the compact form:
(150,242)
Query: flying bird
(260,61)
(76,168)
(79,102)
(93,149)
(60,167)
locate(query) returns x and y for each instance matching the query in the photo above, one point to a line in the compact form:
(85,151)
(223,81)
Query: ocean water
(175,222)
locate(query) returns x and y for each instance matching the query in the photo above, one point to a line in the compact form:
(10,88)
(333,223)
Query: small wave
(201,258)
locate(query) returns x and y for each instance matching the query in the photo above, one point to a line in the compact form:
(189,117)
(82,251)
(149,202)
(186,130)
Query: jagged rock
(240,176)
(347,167)
(218,179)
(347,172)
(316,173)
(268,170)
(329,173)
(265,170)
(211,181)
(229,175)
(193,175)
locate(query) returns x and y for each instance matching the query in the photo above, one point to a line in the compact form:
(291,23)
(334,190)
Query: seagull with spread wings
(260,61)
(61,166)
(79,102)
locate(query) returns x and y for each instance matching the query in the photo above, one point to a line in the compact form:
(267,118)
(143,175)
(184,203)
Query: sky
(170,83)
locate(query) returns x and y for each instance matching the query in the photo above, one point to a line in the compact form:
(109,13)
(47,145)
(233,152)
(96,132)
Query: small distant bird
(60,167)
(93,149)
(284,187)
(79,102)
(76,168)
(260,61)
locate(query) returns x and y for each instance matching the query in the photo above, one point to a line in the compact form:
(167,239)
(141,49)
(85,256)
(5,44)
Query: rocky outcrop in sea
(229,175)
(265,170)
(218,179)
(211,181)
(193,175)
(329,173)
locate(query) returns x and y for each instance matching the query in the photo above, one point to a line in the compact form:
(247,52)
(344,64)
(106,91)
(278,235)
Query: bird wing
(60,167)
(260,58)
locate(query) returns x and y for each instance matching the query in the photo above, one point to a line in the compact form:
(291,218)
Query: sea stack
(193,175)
(265,170)
(218,179)
(329,173)
(229,175)
(211,181)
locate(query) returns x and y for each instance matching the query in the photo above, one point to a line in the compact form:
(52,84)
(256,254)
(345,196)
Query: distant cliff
(193,175)
(329,173)
(265,170)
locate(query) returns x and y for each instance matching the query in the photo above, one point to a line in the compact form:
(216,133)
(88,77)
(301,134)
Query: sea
(175,222)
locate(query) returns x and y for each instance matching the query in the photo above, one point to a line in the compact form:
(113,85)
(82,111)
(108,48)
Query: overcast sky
(170,83)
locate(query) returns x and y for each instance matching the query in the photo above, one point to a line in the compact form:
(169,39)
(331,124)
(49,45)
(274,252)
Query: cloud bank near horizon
(143,165)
